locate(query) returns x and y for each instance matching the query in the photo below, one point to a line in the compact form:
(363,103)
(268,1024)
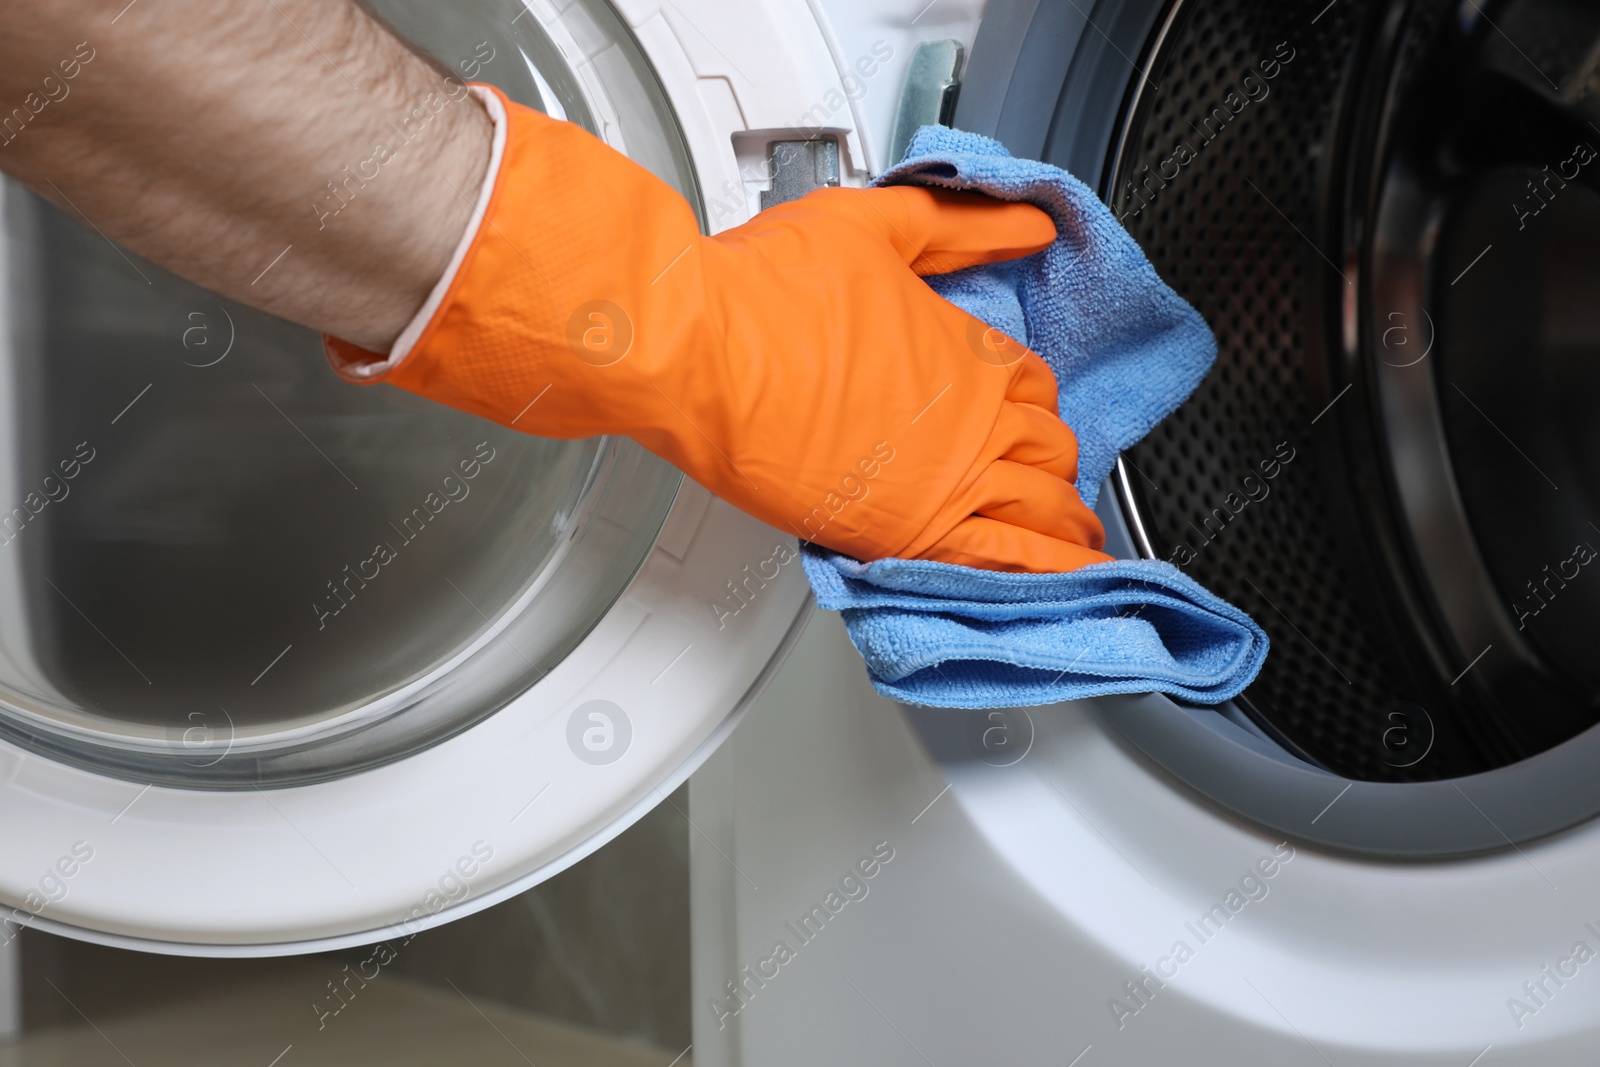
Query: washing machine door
(286,664)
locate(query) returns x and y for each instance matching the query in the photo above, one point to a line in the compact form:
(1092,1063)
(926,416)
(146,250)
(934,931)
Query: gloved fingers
(1031,499)
(1033,382)
(937,231)
(990,544)
(1027,434)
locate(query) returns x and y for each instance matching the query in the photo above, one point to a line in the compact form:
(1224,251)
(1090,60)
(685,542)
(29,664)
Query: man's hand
(798,366)
(204,135)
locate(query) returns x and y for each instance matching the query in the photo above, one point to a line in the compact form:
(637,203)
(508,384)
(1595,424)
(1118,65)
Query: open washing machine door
(1385,852)
(287,665)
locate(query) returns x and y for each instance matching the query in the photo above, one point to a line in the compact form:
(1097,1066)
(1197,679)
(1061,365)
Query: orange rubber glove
(796,365)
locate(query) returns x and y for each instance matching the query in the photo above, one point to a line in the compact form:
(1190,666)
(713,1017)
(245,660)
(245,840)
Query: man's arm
(203,135)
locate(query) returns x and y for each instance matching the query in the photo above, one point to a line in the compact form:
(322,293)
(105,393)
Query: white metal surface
(1027,905)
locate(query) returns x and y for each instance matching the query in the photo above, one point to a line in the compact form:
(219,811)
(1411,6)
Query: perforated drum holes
(1204,126)
(1239,259)
(599,732)
(1252,487)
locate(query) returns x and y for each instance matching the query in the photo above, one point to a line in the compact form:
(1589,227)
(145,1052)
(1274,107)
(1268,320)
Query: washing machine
(1384,851)
(287,666)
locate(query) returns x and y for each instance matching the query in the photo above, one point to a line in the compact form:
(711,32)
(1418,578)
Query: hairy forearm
(204,135)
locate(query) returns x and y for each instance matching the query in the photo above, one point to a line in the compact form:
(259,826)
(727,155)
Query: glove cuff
(577,283)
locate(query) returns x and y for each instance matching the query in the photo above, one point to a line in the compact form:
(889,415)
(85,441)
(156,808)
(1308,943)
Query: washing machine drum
(1386,210)
(281,654)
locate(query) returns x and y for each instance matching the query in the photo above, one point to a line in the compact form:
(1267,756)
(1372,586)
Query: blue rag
(1126,351)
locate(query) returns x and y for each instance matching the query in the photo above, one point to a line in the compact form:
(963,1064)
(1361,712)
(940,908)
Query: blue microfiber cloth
(1126,351)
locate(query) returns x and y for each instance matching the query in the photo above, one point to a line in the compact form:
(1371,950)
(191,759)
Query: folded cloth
(1126,351)
(958,637)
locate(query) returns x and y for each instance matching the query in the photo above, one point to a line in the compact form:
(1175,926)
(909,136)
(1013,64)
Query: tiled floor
(394,1021)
